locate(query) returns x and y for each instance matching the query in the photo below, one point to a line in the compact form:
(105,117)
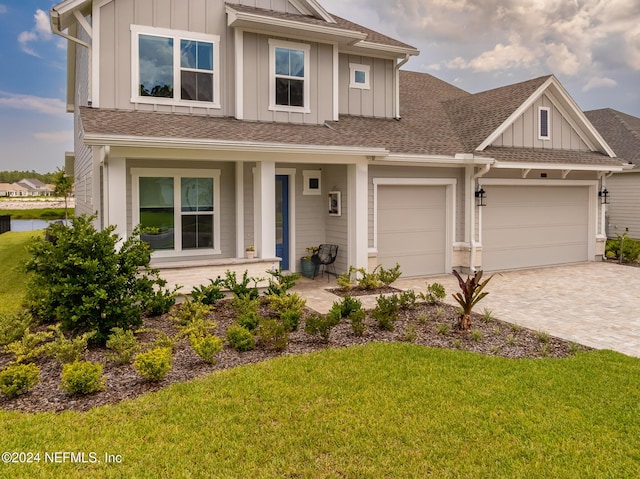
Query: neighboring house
(225,125)
(622,133)
(35,187)
(13,189)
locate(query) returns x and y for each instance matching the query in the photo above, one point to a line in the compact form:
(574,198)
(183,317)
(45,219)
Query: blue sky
(592,46)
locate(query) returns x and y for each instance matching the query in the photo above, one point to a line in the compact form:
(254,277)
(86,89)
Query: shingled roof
(620,131)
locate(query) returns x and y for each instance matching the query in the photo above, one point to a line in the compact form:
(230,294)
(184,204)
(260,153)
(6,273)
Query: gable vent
(543,124)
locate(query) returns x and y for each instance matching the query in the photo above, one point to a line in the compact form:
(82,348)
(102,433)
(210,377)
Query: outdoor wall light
(603,194)
(481,196)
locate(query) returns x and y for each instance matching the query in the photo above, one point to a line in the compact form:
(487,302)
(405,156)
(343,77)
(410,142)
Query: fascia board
(388,48)
(514,116)
(434,159)
(518,165)
(223,145)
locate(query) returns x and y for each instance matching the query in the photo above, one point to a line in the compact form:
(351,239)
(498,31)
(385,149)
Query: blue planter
(307,268)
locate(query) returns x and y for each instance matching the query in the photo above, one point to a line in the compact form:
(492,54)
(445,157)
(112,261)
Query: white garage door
(412,228)
(528,226)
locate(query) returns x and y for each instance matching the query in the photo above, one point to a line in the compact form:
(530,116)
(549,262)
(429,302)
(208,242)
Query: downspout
(55,28)
(603,212)
(474,244)
(396,113)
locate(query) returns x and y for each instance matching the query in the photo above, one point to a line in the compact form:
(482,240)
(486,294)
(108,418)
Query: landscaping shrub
(357,321)
(291,319)
(386,311)
(407,299)
(240,288)
(190,311)
(322,325)
(198,327)
(14,326)
(68,350)
(388,276)
(249,320)
(240,338)
(630,248)
(280,283)
(289,307)
(244,304)
(207,346)
(272,334)
(435,293)
(29,347)
(349,305)
(83,377)
(162,301)
(155,364)
(88,280)
(17,379)
(123,346)
(208,294)
(471,293)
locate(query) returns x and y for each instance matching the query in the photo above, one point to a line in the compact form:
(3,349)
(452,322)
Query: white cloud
(46,106)
(55,136)
(599,82)
(41,31)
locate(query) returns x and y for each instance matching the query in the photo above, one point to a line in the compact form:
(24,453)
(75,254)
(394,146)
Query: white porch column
(240,209)
(264,209)
(358,206)
(116,178)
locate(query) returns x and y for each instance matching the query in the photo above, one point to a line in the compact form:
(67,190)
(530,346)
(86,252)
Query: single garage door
(529,226)
(412,228)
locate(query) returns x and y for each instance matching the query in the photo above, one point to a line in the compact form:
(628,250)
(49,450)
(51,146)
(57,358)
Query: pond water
(29,225)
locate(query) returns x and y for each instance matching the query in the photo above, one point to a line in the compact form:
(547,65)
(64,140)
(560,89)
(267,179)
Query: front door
(282,220)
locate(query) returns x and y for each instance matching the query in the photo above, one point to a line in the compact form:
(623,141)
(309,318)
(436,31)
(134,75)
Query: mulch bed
(424,325)
(356,291)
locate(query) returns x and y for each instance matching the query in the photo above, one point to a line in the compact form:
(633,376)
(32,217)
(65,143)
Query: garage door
(529,226)
(412,228)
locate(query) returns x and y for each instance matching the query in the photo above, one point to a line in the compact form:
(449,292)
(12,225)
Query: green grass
(381,410)
(37,213)
(13,254)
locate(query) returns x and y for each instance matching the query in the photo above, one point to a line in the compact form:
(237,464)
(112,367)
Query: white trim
(450,191)
(178,173)
(336,82)
(239,52)
(357,67)
(548,111)
(239,170)
(308,175)
(176,36)
(306,49)
(291,173)
(310,7)
(388,48)
(554,166)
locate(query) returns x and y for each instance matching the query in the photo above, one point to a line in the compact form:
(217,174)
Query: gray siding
(277,5)
(623,212)
(375,102)
(524,131)
(337,228)
(256,83)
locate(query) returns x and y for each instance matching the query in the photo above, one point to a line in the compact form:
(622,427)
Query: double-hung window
(175,67)
(178,210)
(289,76)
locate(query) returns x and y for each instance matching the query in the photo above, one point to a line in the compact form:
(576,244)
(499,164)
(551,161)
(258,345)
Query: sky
(592,46)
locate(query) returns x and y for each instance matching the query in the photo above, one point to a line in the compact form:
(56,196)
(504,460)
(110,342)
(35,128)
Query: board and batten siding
(276,5)
(523,133)
(256,83)
(624,189)
(374,102)
(337,227)
(116,18)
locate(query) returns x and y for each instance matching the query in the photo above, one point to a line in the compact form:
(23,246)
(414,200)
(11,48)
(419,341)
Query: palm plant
(471,293)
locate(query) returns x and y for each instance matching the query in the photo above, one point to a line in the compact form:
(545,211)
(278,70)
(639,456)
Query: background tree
(63,187)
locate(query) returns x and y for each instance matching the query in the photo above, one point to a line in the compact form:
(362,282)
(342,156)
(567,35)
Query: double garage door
(522,227)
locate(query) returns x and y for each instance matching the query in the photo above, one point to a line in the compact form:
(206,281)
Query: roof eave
(520,165)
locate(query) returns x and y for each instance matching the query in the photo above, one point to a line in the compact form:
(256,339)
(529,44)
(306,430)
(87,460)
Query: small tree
(471,294)
(63,187)
(88,281)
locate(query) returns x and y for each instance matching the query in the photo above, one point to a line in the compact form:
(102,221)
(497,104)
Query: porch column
(116,176)
(358,206)
(264,209)
(240,209)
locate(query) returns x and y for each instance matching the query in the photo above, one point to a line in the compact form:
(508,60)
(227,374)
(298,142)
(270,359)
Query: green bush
(286,301)
(83,377)
(17,379)
(14,326)
(407,299)
(208,294)
(29,347)
(272,334)
(245,304)
(190,311)
(68,350)
(280,283)
(240,338)
(198,327)
(155,364)
(630,248)
(162,301)
(322,325)
(388,276)
(291,319)
(207,346)
(123,346)
(357,321)
(249,320)
(240,288)
(368,281)
(349,305)
(435,293)
(89,280)
(386,311)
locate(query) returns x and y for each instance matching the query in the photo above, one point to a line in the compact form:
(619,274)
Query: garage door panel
(423,219)
(547,235)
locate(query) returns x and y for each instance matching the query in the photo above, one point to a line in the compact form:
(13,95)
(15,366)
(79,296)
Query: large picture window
(174,67)
(178,210)
(289,76)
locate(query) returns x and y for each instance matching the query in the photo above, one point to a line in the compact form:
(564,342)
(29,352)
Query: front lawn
(380,410)
(13,254)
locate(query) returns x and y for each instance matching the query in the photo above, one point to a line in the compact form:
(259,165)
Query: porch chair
(324,257)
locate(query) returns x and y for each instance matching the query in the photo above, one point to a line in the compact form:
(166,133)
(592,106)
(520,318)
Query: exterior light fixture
(603,194)
(481,196)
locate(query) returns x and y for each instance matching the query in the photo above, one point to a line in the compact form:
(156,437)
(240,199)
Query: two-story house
(277,124)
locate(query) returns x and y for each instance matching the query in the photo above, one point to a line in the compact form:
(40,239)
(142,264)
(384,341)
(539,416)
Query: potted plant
(308,267)
(250,252)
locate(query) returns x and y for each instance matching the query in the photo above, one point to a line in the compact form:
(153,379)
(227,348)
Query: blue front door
(282,220)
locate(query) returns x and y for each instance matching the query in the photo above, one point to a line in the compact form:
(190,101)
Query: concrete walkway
(595,304)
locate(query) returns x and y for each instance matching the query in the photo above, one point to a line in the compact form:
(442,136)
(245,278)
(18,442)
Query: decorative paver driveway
(595,304)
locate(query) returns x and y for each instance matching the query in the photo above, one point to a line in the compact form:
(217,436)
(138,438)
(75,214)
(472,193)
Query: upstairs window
(289,76)
(544,124)
(174,67)
(359,76)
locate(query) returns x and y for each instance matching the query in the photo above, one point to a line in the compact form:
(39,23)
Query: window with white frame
(544,123)
(359,76)
(175,67)
(288,76)
(178,209)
